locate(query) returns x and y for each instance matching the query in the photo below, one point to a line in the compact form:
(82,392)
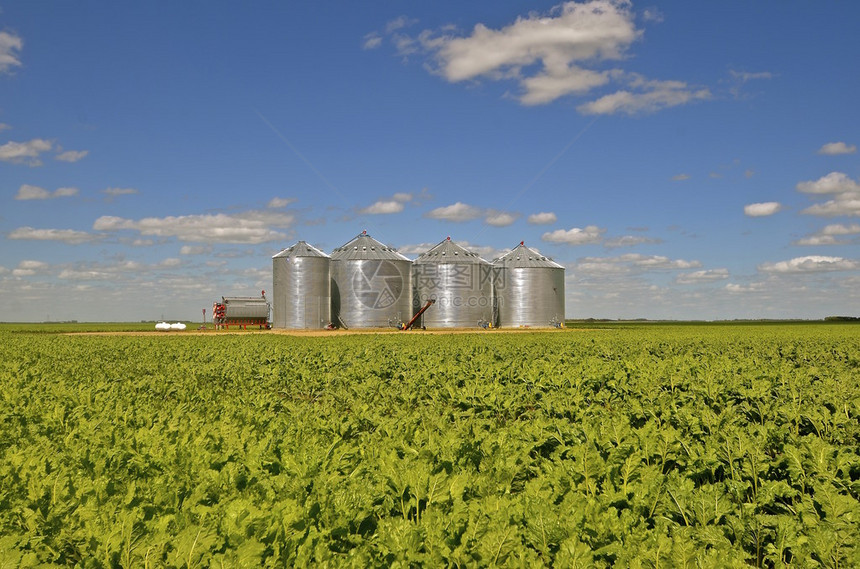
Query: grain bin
(301,282)
(528,289)
(371,284)
(458,280)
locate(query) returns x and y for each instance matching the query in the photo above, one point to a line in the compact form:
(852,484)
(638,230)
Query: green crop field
(628,446)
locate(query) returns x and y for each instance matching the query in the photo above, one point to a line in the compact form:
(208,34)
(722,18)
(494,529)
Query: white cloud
(815,240)
(458,212)
(762,209)
(631,263)
(372,41)
(542,218)
(575,236)
(277,203)
(680,177)
(654,96)
(28,268)
(810,264)
(741,289)
(832,183)
(829,233)
(383,207)
(251,227)
(195,250)
(25,152)
(547,54)
(744,76)
(705,276)
(4,126)
(72,155)
(500,218)
(114,192)
(845,192)
(29,192)
(652,15)
(65,192)
(833,148)
(386,206)
(123,270)
(10,48)
(70,236)
(629,241)
(839,229)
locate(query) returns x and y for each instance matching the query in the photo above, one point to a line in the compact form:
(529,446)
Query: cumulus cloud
(29,267)
(458,212)
(500,218)
(815,240)
(680,177)
(25,152)
(71,155)
(834,148)
(120,270)
(542,218)
(576,236)
(829,234)
(705,276)
(383,207)
(629,241)
(195,250)
(29,192)
(277,203)
(745,76)
(631,263)
(845,194)
(840,229)
(372,41)
(832,183)
(553,55)
(251,227)
(762,209)
(650,97)
(69,236)
(395,204)
(811,264)
(742,289)
(10,51)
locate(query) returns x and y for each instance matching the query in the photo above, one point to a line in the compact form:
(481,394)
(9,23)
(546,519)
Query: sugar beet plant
(653,447)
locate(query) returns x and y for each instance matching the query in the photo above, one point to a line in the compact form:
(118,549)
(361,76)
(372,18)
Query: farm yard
(641,446)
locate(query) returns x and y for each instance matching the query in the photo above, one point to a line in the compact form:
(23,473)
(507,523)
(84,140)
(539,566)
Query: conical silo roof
(524,257)
(449,252)
(364,247)
(300,249)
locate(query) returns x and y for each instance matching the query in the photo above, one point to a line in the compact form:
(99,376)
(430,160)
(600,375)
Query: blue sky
(681,159)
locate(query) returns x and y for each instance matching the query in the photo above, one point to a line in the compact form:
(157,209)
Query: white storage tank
(301,279)
(371,284)
(460,282)
(528,289)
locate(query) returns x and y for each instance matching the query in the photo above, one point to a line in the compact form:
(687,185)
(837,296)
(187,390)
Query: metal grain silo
(301,288)
(528,289)
(459,281)
(371,284)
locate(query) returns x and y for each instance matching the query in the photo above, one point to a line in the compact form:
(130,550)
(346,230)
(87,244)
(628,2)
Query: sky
(682,160)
